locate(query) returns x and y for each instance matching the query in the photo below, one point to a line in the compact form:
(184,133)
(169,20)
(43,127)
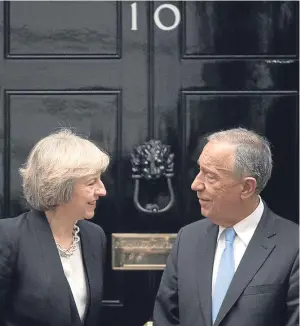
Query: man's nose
(197,185)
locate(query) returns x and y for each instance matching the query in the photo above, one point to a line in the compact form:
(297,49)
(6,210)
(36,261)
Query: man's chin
(204,212)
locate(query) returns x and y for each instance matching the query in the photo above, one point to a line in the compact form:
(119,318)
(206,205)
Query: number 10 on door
(157,21)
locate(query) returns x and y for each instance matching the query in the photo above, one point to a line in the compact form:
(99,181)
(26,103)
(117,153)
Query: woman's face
(86,192)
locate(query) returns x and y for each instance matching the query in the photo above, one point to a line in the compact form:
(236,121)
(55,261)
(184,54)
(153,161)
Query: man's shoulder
(284,221)
(287,229)
(197,228)
(288,224)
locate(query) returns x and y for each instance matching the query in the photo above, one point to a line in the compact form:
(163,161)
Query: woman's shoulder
(11,225)
(94,232)
(10,229)
(91,227)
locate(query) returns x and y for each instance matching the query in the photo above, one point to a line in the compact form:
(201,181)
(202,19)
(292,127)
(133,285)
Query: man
(240,266)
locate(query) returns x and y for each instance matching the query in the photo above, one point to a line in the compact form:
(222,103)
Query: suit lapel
(92,272)
(53,270)
(258,250)
(205,262)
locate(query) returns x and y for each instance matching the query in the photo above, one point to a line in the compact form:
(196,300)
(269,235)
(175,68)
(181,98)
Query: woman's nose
(101,190)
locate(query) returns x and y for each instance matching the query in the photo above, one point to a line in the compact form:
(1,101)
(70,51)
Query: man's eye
(91,183)
(210,176)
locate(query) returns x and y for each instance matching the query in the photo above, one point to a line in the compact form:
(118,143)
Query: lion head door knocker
(152,161)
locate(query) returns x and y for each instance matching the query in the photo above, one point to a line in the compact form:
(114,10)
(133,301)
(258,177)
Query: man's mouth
(203,199)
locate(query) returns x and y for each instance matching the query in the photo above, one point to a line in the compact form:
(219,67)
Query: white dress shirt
(244,231)
(75,274)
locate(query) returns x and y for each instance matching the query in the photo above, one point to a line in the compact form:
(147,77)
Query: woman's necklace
(67,253)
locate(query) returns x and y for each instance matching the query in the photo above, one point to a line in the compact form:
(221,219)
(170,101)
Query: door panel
(216,28)
(85,29)
(79,65)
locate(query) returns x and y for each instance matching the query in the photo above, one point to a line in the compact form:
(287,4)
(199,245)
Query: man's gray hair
(253,157)
(53,166)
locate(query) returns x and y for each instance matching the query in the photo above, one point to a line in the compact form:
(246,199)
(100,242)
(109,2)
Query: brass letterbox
(141,251)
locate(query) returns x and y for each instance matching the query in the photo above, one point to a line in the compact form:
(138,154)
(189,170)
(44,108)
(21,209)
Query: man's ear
(249,187)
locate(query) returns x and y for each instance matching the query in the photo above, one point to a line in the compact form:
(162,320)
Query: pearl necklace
(67,253)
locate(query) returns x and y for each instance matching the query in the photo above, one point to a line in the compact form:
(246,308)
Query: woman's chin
(89,215)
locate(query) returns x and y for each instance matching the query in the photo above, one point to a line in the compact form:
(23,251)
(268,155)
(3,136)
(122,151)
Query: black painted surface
(78,64)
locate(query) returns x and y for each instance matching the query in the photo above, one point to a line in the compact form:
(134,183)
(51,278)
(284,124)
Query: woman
(51,258)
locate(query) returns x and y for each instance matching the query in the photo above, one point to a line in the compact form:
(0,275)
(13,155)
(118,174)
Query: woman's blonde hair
(53,166)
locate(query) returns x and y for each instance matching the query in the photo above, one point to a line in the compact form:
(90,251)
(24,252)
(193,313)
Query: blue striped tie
(225,273)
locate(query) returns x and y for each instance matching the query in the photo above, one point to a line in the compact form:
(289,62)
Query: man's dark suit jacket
(263,292)
(33,288)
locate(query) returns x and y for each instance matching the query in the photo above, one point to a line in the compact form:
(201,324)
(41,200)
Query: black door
(80,65)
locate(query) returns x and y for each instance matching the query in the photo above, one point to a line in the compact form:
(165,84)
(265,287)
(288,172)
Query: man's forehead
(218,155)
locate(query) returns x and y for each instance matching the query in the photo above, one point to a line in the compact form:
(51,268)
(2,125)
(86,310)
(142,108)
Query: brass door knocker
(152,161)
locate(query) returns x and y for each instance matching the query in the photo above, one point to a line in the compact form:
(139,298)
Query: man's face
(218,190)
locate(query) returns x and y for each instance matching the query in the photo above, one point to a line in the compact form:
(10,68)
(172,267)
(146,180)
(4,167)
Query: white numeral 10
(157,21)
